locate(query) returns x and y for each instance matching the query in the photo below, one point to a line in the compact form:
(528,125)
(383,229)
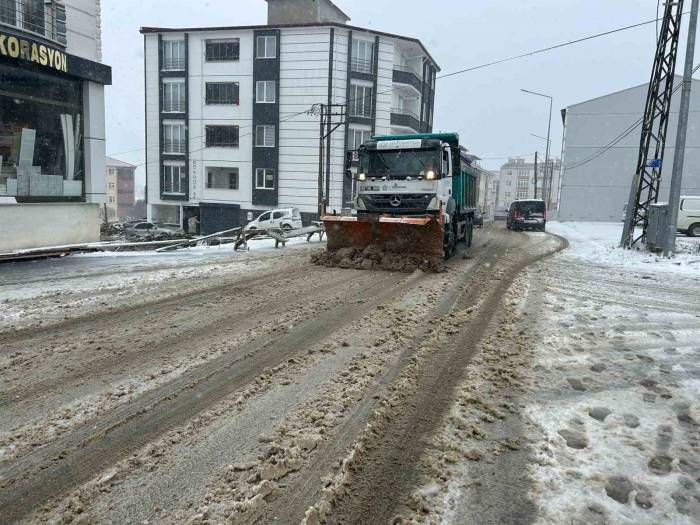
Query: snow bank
(597,243)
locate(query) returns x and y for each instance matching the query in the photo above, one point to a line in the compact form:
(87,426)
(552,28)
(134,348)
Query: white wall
(84,28)
(304,82)
(94,129)
(201,158)
(152,121)
(599,189)
(36,225)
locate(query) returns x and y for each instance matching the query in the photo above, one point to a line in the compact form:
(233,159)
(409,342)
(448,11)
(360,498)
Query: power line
(550,48)
(619,138)
(482,66)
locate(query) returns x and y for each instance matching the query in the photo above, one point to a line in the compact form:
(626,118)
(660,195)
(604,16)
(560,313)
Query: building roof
(677,80)
(147,30)
(116,163)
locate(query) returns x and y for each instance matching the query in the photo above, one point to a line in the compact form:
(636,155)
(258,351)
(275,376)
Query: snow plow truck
(414,195)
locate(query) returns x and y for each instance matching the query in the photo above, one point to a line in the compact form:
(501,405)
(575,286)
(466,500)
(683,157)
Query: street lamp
(549,130)
(545,167)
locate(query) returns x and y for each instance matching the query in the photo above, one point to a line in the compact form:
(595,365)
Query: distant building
(600,158)
(228,128)
(516,180)
(120,189)
(52,122)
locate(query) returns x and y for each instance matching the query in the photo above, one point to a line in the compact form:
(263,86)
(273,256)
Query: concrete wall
(303,12)
(25,226)
(84,28)
(599,189)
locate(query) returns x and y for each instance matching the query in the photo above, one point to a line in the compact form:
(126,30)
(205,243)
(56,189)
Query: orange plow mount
(401,235)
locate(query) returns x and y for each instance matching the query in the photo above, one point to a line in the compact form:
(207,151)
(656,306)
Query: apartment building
(516,180)
(52,136)
(229,131)
(120,189)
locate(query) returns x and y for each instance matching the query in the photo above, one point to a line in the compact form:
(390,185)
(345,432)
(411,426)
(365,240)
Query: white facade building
(228,127)
(52,123)
(516,180)
(601,148)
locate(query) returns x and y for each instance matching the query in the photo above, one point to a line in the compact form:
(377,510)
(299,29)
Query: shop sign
(20,48)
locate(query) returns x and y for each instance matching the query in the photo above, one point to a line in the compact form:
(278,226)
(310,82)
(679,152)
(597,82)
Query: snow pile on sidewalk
(617,390)
(597,243)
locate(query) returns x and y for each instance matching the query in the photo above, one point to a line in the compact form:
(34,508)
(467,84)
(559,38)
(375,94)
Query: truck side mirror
(348,174)
(445,162)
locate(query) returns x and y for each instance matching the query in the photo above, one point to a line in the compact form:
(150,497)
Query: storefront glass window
(41,137)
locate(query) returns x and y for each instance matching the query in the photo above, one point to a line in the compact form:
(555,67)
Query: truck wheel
(694,230)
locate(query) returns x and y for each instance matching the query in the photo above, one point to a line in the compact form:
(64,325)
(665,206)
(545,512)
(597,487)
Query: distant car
(171,227)
(527,214)
(281,219)
(147,229)
(689,216)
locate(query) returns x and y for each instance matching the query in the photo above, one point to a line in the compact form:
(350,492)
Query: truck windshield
(399,164)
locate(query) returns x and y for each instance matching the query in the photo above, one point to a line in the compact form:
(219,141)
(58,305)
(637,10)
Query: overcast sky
(486,107)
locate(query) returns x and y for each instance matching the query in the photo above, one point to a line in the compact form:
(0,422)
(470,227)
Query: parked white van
(689,216)
(283,219)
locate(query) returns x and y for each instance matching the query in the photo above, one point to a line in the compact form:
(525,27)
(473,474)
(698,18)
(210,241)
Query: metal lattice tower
(647,179)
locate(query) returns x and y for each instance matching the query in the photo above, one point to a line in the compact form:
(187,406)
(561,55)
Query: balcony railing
(360,65)
(405,118)
(176,147)
(46,18)
(174,64)
(174,106)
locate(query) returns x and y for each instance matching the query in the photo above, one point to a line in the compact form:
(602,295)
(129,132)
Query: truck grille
(404,202)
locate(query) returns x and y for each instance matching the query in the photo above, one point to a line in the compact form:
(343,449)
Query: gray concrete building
(600,160)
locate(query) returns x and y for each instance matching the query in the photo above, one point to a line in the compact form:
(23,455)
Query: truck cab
(406,175)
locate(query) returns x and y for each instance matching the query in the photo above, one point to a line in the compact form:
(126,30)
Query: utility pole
(549,131)
(535,175)
(669,240)
(646,181)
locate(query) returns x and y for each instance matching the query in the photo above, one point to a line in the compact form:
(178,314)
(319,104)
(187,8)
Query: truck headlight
(430,175)
(360,204)
(361,176)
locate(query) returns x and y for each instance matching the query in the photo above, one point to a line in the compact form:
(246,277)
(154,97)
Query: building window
(509,183)
(222,178)
(362,56)
(174,138)
(264,136)
(266,47)
(112,186)
(222,50)
(33,15)
(222,136)
(358,137)
(174,96)
(522,195)
(174,180)
(173,55)
(264,179)
(523,183)
(41,136)
(112,199)
(360,101)
(222,93)
(265,92)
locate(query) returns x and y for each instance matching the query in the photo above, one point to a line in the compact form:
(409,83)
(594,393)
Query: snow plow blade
(421,236)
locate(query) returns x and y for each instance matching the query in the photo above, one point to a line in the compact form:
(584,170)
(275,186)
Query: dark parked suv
(527,214)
